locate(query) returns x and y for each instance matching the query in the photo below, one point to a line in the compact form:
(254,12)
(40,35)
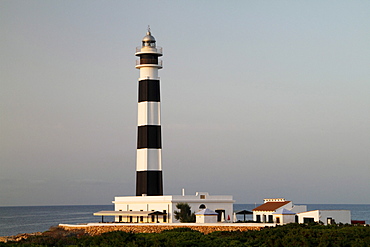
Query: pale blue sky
(259,99)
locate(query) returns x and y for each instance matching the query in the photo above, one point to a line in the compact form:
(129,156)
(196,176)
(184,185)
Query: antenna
(149,29)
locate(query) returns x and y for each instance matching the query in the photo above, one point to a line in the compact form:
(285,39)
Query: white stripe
(148,73)
(149,113)
(149,159)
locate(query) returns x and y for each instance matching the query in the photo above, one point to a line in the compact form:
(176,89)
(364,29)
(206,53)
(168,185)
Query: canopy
(244,212)
(128,213)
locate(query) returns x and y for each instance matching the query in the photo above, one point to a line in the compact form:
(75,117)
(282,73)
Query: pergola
(130,214)
(244,212)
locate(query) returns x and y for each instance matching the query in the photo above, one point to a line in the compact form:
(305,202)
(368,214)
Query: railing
(160,62)
(156,49)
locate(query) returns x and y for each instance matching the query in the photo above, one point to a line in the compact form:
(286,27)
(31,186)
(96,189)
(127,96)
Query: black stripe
(149,183)
(149,90)
(149,136)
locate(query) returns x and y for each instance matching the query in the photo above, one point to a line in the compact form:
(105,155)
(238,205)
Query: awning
(128,213)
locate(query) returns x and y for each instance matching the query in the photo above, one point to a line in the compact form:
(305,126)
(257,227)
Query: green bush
(287,235)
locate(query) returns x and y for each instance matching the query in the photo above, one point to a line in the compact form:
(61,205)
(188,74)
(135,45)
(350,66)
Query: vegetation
(184,215)
(288,235)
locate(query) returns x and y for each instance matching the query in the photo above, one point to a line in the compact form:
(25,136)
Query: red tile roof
(270,206)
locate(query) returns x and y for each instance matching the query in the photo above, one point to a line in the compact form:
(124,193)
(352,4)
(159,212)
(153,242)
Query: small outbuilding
(284,216)
(206,216)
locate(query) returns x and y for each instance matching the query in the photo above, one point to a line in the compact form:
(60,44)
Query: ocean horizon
(27,219)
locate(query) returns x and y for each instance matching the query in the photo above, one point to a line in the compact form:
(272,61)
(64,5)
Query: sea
(28,219)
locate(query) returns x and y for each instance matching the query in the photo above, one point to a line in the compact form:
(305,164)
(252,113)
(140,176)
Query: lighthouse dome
(149,38)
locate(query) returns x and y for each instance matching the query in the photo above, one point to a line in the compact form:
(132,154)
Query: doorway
(219,212)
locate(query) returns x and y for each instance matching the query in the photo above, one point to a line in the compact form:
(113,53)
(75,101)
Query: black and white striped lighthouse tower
(149,144)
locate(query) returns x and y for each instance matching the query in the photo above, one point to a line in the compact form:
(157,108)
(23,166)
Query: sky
(259,99)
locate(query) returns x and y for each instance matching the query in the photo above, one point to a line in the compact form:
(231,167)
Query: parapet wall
(93,230)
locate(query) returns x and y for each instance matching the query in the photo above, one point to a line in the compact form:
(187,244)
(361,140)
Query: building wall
(144,207)
(337,216)
(263,215)
(213,205)
(267,214)
(284,218)
(206,218)
(168,203)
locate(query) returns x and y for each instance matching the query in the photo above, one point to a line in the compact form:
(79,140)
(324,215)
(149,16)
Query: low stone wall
(97,230)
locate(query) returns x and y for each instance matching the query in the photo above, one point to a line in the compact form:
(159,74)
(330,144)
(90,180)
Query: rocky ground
(19,237)
(97,230)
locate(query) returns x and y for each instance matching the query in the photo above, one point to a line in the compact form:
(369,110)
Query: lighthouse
(149,144)
(150,205)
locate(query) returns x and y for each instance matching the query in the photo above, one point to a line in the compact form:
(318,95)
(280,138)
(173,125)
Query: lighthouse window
(148,59)
(202,196)
(202,206)
(148,43)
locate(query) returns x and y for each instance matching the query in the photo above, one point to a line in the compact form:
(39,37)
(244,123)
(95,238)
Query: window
(202,206)
(308,220)
(270,219)
(164,216)
(202,196)
(329,221)
(120,217)
(277,220)
(258,218)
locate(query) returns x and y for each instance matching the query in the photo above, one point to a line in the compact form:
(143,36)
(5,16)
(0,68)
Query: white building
(280,211)
(127,206)
(271,211)
(325,216)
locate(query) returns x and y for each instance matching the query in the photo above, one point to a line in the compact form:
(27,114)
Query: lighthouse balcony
(148,50)
(157,63)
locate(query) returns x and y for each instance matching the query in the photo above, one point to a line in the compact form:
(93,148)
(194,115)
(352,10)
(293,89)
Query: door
(219,212)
